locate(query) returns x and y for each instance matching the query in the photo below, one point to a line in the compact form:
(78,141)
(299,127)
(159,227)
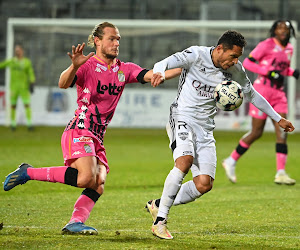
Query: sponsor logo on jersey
(121,76)
(187,153)
(203,89)
(76,153)
(112,89)
(82,115)
(183,135)
(84,100)
(100,67)
(86,90)
(87,148)
(81,125)
(115,69)
(203,70)
(98,70)
(187,51)
(83,139)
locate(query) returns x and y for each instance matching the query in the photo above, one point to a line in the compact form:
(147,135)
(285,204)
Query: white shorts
(189,138)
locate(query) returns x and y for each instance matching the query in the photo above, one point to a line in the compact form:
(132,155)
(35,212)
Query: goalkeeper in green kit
(22,79)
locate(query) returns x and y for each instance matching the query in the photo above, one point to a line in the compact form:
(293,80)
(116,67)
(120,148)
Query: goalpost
(144,42)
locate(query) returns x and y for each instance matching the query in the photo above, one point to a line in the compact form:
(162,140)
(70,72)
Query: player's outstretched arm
(78,58)
(157,78)
(286,125)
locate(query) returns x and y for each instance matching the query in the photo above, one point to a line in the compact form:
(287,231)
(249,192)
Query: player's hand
(286,125)
(275,75)
(157,79)
(77,56)
(31,88)
(296,73)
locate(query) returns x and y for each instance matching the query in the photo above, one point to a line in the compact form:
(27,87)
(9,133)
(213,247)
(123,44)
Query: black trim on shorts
(173,145)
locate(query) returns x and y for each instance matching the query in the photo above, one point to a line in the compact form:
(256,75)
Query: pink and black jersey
(99,88)
(271,56)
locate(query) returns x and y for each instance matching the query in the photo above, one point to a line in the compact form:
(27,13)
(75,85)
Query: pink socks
(51,174)
(82,209)
(280,161)
(235,155)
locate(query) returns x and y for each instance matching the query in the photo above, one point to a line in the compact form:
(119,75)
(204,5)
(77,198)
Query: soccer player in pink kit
(271,61)
(100,80)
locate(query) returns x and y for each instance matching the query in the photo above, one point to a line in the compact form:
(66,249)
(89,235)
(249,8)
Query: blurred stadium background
(47,46)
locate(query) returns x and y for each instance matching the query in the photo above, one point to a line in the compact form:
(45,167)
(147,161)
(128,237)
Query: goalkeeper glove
(296,73)
(275,76)
(31,88)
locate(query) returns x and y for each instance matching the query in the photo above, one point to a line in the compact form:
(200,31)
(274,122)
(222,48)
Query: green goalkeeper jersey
(21,73)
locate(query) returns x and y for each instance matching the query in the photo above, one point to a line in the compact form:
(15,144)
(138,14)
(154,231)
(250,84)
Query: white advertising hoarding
(142,108)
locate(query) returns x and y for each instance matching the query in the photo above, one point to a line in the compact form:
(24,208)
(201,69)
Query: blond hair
(98,32)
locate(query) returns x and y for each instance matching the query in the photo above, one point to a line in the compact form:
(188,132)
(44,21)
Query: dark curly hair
(288,24)
(231,38)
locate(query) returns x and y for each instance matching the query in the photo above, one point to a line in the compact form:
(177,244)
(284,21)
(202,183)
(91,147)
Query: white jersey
(198,80)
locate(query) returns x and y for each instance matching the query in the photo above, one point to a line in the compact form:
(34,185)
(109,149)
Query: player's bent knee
(86,181)
(203,188)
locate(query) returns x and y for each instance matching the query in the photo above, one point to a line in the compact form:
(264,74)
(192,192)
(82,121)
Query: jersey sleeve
(4,64)
(259,51)
(79,78)
(183,59)
(31,75)
(239,75)
(135,73)
(262,104)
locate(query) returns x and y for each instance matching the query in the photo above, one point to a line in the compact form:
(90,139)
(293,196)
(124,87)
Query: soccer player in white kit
(191,122)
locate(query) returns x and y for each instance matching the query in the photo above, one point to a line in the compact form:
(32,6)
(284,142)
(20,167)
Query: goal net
(144,42)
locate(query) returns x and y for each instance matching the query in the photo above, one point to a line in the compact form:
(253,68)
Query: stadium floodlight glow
(149,29)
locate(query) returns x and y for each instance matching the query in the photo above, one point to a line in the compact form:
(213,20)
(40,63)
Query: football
(228,95)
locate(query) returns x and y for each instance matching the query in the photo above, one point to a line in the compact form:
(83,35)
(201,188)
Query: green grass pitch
(255,213)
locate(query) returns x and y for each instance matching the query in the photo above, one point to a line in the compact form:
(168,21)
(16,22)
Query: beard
(108,55)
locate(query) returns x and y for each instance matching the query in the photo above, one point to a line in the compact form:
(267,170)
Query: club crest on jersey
(121,76)
(87,148)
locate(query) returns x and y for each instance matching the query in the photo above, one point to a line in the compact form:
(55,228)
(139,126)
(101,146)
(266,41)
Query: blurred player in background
(22,80)
(191,122)
(100,80)
(271,61)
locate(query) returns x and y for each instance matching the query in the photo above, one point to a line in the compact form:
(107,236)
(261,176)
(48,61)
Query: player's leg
(13,103)
(281,176)
(171,187)
(181,142)
(95,178)
(257,128)
(63,174)
(203,171)
(25,95)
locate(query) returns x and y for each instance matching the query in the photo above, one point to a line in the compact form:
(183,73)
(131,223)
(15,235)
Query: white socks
(171,188)
(187,193)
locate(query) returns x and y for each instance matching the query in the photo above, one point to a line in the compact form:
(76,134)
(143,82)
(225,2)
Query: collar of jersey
(112,66)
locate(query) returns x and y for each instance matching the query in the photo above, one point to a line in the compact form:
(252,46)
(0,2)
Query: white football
(228,95)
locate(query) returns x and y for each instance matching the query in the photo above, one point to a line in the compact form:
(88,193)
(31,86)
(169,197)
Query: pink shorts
(76,143)
(275,97)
